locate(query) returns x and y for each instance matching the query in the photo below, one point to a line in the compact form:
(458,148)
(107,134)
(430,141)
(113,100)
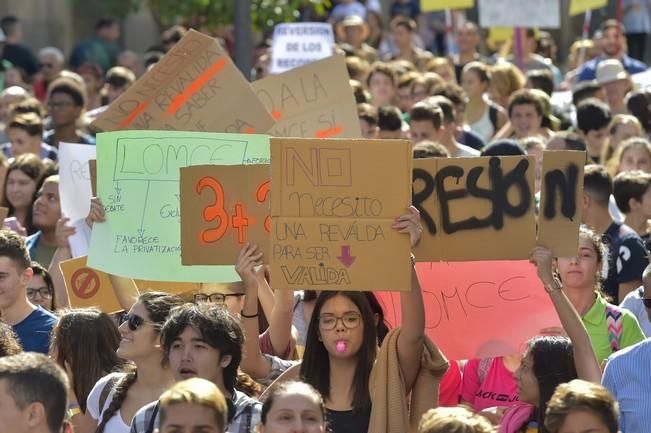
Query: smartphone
(15,225)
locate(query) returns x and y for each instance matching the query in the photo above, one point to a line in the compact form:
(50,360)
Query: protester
(582,406)
(634,154)
(25,134)
(193,405)
(24,177)
(293,406)
(116,397)
(638,302)
(100,49)
(33,392)
(65,102)
(616,83)
(84,344)
(46,212)
(32,324)
(381,84)
(622,127)
(628,257)
(468,40)
(453,419)
(204,341)
(20,55)
(483,116)
(505,80)
(51,64)
(40,290)
(626,376)
(610,328)
(489,383)
(449,127)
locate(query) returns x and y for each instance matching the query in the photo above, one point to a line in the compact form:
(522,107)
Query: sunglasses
(647,302)
(134,322)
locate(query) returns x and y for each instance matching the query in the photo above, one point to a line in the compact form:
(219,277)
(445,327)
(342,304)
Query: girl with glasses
(116,398)
(40,289)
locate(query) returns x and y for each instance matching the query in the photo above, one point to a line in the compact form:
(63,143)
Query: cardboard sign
(223,208)
(470,202)
(580,6)
(332,209)
(297,44)
(516,13)
(560,206)
(440,5)
(74,179)
(479,309)
(138,183)
(92,169)
(194,87)
(88,287)
(311,101)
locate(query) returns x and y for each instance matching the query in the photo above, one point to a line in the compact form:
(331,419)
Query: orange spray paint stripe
(195,86)
(325,133)
(133,115)
(277,115)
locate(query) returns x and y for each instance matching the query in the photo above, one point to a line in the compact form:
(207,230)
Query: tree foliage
(212,14)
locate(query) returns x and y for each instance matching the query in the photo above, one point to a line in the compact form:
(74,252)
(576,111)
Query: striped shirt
(628,377)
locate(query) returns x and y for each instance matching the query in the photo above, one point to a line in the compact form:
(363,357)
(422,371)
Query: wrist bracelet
(553,287)
(246,316)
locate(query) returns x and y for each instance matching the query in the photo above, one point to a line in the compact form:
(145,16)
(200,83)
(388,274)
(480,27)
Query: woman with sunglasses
(40,289)
(117,397)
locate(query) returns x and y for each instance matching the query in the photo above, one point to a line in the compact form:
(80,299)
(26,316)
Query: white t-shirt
(116,424)
(464,151)
(633,303)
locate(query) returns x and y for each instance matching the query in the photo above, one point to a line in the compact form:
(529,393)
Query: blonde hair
(575,49)
(453,420)
(434,64)
(199,392)
(631,143)
(580,395)
(506,78)
(608,152)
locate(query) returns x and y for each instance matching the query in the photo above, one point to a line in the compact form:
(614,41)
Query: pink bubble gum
(341,346)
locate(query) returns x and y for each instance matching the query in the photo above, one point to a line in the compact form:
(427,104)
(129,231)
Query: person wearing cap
(25,133)
(616,83)
(612,47)
(353,31)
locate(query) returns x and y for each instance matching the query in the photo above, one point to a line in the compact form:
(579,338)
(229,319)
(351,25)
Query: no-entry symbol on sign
(85,283)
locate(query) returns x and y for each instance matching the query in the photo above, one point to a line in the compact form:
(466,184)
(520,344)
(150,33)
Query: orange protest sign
(223,208)
(560,210)
(314,100)
(332,208)
(88,287)
(186,91)
(479,309)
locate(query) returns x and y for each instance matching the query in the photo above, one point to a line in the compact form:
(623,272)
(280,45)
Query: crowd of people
(244,357)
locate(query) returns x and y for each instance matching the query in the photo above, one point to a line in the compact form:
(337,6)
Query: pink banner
(479,309)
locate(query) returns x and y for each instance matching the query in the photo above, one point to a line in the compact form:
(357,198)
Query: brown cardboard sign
(312,101)
(92,170)
(484,208)
(223,207)
(560,205)
(194,87)
(332,209)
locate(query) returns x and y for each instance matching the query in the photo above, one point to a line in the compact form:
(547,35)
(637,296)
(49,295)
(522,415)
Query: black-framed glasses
(134,322)
(44,292)
(215,298)
(350,320)
(647,302)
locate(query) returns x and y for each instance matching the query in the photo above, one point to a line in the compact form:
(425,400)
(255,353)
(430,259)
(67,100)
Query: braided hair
(158,306)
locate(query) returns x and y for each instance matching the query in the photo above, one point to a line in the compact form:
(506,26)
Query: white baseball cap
(610,70)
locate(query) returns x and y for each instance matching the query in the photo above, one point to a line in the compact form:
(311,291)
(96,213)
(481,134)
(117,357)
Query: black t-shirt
(627,258)
(348,421)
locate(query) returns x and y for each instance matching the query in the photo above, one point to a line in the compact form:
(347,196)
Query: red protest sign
(479,309)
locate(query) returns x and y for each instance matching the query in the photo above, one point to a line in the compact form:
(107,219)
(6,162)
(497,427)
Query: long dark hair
(158,306)
(86,340)
(315,368)
(382,328)
(553,364)
(31,166)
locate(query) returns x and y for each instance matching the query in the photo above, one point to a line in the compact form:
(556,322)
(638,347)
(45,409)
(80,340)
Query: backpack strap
(106,391)
(152,421)
(614,322)
(482,369)
(492,115)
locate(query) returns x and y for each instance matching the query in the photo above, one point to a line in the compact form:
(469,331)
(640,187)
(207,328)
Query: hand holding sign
(63,232)
(247,261)
(410,223)
(542,258)
(96,212)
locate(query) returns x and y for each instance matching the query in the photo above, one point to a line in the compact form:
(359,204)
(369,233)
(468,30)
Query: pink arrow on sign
(345,258)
